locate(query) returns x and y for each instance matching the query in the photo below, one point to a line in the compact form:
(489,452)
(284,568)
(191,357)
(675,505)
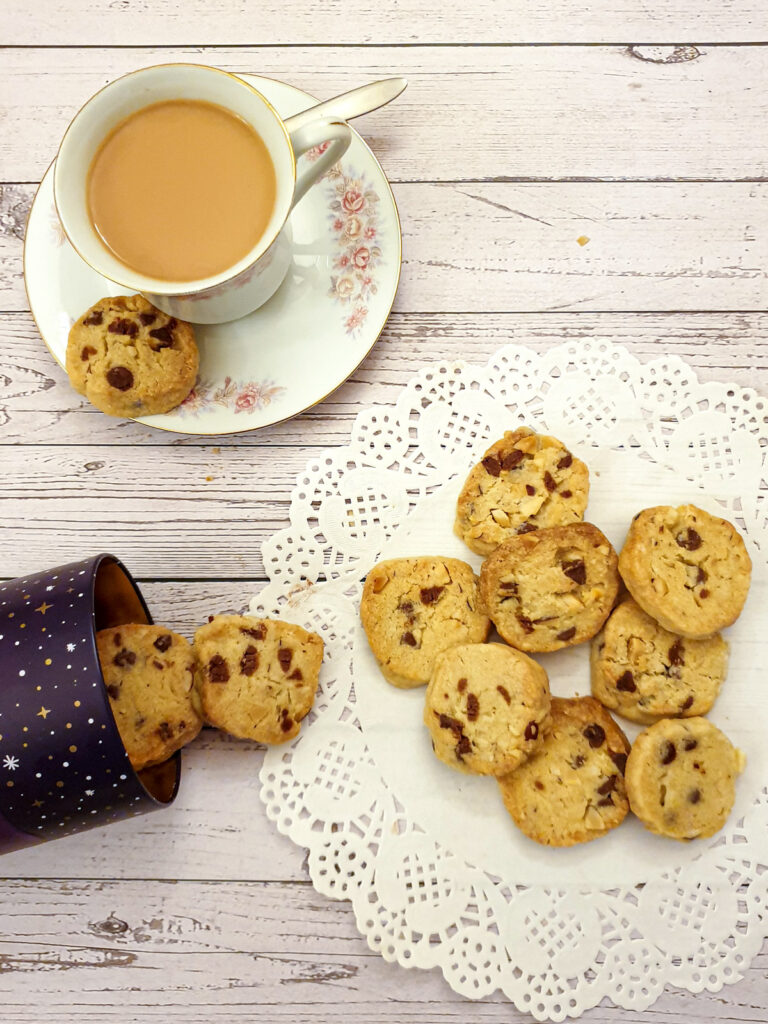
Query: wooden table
(502,156)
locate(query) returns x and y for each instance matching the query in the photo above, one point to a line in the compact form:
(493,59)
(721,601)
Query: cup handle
(314,134)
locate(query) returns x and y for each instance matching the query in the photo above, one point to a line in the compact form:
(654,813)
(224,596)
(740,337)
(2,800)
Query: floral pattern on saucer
(236,396)
(354,219)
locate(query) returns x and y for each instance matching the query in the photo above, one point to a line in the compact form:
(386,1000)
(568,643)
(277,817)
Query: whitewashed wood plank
(38,406)
(354,21)
(71,938)
(199,836)
(515,247)
(468,113)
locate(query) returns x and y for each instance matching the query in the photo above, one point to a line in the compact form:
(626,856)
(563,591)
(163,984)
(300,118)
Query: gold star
(37,803)
(43,712)
(43,608)
(70,590)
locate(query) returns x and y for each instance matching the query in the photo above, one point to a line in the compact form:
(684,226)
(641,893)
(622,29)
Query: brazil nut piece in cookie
(257,677)
(644,672)
(524,482)
(687,569)
(487,708)
(572,789)
(413,609)
(681,777)
(552,588)
(149,675)
(129,359)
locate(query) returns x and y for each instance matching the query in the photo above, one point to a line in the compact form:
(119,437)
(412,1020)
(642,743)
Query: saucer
(300,346)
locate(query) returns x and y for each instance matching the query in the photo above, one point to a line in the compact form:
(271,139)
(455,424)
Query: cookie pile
(566,771)
(253,678)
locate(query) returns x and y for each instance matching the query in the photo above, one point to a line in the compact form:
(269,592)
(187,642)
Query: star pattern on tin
(43,608)
(43,712)
(71,647)
(90,792)
(11,763)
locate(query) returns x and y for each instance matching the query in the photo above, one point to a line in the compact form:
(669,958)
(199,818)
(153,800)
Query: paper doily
(437,874)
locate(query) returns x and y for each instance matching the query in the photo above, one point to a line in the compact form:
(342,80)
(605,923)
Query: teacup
(251,281)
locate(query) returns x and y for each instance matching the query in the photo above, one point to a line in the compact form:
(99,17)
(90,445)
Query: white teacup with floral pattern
(251,281)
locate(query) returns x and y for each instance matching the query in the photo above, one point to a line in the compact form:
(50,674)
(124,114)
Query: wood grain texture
(550,113)
(515,247)
(201,951)
(486,21)
(38,406)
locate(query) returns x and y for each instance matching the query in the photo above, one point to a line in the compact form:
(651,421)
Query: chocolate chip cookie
(257,677)
(681,778)
(524,482)
(413,609)
(149,675)
(644,672)
(687,569)
(487,708)
(572,789)
(129,359)
(551,588)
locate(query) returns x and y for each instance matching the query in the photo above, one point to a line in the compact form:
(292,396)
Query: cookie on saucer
(130,359)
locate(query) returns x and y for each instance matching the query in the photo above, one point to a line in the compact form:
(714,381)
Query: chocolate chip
(530,489)
(164,731)
(124,326)
(565,494)
(120,378)
(211,618)
(607,801)
(258,632)
(594,734)
(690,540)
(619,759)
(406,606)
(511,587)
(117,640)
(491,465)
(296,674)
(113,691)
(93,319)
(527,528)
(608,786)
(667,752)
(525,623)
(565,462)
(704,593)
(447,722)
(218,670)
(163,642)
(687,703)
(689,743)
(504,693)
(576,571)
(512,459)
(473,707)
(461,685)
(86,353)
(531,731)
(147,318)
(694,796)
(464,746)
(567,634)
(626,682)
(249,661)
(538,784)
(287,724)
(285,657)
(158,665)
(429,595)
(577,761)
(676,652)
(549,481)
(123,658)
(408,639)
(163,335)
(701,576)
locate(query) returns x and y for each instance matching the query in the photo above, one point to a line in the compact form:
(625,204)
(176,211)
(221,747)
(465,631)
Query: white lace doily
(437,873)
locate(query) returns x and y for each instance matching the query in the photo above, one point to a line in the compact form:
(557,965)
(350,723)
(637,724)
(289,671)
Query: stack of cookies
(252,678)
(566,771)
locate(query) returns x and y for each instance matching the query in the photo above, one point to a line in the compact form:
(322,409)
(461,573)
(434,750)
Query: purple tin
(63,766)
